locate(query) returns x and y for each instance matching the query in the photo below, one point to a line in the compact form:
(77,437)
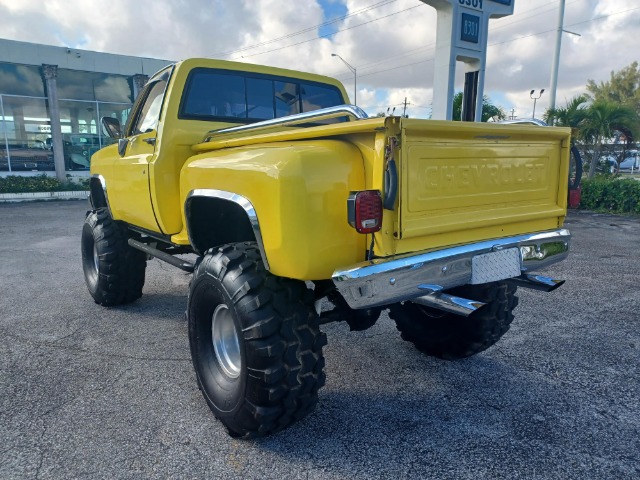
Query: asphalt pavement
(93,392)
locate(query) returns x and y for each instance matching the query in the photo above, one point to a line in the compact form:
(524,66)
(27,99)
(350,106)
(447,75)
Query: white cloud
(392,46)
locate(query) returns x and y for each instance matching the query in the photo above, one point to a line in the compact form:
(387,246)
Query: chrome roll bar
(351,111)
(525,121)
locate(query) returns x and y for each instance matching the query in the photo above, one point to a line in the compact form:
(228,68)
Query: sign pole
(462,31)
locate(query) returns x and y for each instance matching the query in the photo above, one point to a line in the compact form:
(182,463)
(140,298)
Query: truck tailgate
(477,181)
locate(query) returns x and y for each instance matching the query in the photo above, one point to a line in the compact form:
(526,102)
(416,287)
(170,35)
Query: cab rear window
(223,95)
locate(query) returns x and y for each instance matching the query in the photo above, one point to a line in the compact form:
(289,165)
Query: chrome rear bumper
(390,280)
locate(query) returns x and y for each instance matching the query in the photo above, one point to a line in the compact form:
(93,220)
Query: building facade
(52,100)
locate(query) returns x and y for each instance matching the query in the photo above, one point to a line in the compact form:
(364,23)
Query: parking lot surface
(93,392)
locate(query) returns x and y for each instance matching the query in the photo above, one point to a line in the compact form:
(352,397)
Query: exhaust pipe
(537,282)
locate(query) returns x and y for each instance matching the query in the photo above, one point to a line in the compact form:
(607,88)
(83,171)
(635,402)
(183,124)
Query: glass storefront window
(78,85)
(18,79)
(80,139)
(25,132)
(28,131)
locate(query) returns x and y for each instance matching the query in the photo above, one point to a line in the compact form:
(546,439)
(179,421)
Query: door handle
(150,141)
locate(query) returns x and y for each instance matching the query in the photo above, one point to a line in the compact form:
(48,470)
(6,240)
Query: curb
(43,196)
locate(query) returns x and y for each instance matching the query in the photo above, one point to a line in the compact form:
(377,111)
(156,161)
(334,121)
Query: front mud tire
(451,337)
(255,342)
(113,271)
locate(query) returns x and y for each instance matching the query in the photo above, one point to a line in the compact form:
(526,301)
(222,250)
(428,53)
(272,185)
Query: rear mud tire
(113,271)
(267,377)
(451,337)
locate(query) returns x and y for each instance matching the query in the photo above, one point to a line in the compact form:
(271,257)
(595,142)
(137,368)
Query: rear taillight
(364,210)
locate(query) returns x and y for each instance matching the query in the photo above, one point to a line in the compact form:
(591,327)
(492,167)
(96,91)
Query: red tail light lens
(364,211)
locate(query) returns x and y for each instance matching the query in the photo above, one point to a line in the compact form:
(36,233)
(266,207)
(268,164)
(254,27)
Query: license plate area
(494,266)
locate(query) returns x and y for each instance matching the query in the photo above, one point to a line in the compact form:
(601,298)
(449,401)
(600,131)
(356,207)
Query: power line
(501,43)
(305,30)
(330,34)
(414,51)
(570,25)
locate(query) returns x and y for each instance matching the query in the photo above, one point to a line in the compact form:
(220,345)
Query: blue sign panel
(503,2)
(470,28)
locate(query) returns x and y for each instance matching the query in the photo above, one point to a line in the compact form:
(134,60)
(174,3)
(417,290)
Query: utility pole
(513,114)
(556,56)
(404,112)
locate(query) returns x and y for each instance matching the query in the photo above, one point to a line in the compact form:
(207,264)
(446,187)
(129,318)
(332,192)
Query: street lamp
(535,99)
(355,77)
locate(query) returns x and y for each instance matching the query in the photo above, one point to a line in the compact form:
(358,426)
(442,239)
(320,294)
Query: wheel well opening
(212,222)
(98,200)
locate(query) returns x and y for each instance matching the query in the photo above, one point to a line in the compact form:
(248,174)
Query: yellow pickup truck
(295,210)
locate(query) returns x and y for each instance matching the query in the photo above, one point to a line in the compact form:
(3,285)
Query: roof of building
(12,51)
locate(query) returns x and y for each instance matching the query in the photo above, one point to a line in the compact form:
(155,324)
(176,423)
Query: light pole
(355,77)
(556,55)
(535,99)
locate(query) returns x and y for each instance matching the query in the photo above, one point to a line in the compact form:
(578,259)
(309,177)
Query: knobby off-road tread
(121,271)
(283,362)
(449,336)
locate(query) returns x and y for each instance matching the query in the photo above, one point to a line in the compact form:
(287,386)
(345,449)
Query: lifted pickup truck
(289,197)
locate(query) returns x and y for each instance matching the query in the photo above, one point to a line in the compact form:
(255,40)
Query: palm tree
(489,110)
(606,120)
(572,115)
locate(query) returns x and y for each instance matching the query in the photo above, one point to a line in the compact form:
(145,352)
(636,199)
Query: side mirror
(112,127)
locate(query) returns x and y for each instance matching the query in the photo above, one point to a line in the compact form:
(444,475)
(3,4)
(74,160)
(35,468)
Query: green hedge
(611,194)
(40,183)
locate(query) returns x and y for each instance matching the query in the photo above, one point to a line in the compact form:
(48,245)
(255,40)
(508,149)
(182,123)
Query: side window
(149,114)
(260,98)
(287,98)
(216,95)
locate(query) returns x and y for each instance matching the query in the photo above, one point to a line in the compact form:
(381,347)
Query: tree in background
(606,121)
(623,88)
(573,115)
(489,110)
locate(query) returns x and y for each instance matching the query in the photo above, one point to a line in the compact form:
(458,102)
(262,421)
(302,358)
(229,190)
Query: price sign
(470,28)
(462,36)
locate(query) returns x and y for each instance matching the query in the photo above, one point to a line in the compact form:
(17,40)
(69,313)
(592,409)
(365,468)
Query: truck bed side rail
(351,111)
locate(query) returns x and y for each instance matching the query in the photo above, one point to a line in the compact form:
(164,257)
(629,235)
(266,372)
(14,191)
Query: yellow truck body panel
(298,190)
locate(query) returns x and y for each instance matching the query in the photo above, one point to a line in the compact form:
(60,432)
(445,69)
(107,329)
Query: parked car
(78,148)
(631,162)
(27,157)
(607,164)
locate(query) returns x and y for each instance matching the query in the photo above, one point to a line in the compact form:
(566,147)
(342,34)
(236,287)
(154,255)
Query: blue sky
(332,9)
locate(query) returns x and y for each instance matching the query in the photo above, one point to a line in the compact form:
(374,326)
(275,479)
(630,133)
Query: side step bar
(165,257)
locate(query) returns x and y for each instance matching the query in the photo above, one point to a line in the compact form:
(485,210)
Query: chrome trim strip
(243,202)
(525,121)
(352,111)
(103,183)
(390,280)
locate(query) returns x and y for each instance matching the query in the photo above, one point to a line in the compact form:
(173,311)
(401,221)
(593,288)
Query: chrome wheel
(226,343)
